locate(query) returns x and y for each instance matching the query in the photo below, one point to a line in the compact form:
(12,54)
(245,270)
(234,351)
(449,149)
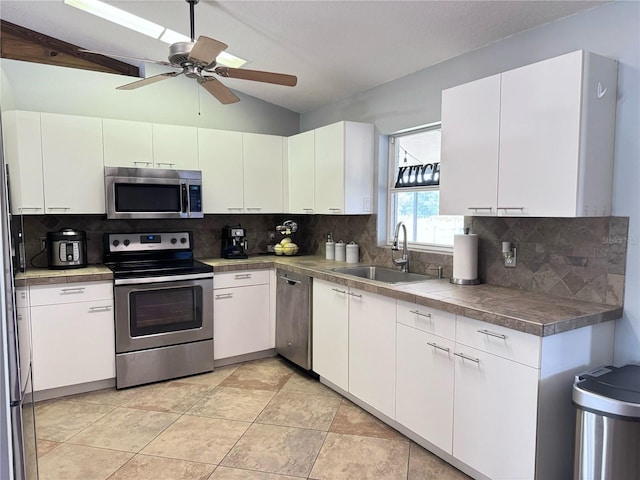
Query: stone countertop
(529,312)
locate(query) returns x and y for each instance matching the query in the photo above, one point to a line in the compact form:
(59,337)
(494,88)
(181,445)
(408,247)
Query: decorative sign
(418,175)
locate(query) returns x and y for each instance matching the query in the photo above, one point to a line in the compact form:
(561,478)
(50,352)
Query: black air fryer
(233,242)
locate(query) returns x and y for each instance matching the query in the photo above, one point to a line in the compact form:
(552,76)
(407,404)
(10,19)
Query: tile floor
(260,420)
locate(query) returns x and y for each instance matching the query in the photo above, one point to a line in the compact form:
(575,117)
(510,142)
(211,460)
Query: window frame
(391,190)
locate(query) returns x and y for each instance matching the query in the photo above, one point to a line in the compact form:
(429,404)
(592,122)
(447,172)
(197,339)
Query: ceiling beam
(19,43)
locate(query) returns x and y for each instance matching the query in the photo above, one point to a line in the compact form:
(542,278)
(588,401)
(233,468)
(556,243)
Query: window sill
(425,248)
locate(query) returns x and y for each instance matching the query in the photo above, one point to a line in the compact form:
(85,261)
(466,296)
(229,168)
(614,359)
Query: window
(414,190)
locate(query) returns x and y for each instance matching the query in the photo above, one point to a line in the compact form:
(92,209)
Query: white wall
(612,30)
(38,87)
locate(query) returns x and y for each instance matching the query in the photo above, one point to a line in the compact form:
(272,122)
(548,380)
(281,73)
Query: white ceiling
(336,48)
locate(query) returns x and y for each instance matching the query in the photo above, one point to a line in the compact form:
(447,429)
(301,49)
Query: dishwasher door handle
(290,281)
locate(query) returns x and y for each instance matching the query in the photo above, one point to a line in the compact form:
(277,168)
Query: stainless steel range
(163,307)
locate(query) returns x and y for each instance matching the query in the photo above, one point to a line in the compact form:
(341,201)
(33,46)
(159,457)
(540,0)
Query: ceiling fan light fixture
(118,16)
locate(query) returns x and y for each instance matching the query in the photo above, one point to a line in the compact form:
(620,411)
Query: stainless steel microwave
(152,193)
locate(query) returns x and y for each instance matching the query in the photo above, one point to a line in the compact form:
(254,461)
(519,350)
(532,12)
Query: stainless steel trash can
(607,424)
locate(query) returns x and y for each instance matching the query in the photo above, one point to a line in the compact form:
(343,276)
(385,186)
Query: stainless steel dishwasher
(293,317)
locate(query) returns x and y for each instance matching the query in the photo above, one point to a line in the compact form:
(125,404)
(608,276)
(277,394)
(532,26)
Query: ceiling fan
(197,59)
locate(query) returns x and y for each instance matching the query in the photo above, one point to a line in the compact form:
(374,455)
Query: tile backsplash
(580,258)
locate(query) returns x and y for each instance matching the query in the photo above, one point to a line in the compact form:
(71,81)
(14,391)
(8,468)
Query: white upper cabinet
(344,168)
(71,150)
(220,159)
(555,148)
(127,143)
(301,162)
(23,154)
(175,146)
(263,167)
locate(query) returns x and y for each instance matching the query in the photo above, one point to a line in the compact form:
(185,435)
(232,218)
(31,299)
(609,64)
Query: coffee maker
(234,243)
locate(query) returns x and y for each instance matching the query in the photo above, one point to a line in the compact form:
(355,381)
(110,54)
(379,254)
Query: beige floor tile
(45,446)
(173,397)
(199,439)
(268,374)
(224,473)
(424,465)
(305,384)
(233,404)
(352,420)
(350,457)
(293,409)
(107,396)
(273,449)
(59,420)
(125,429)
(77,462)
(212,379)
(143,467)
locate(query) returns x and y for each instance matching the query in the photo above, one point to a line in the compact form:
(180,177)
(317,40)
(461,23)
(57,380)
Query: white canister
(341,251)
(353,253)
(330,250)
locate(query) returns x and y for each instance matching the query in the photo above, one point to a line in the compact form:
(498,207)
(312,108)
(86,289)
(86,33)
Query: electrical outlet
(510,261)
(43,243)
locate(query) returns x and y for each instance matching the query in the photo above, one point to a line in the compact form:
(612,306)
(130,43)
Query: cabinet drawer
(501,341)
(427,319)
(22,297)
(240,278)
(70,293)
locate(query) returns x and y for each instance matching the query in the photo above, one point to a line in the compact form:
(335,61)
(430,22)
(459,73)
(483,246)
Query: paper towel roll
(465,259)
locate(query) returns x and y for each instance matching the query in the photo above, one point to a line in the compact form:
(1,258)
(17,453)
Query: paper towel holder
(463,281)
(510,254)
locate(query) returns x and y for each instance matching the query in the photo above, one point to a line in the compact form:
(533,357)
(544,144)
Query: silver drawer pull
(355,295)
(165,163)
(511,208)
(307,210)
(435,345)
(235,208)
(72,290)
(492,334)
(339,291)
(481,208)
(467,357)
(418,312)
(254,208)
(29,208)
(102,308)
(289,280)
(221,296)
(143,163)
(242,276)
(58,208)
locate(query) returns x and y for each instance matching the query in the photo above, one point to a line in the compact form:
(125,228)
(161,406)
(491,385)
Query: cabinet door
(23,154)
(175,146)
(372,350)
(540,138)
(127,143)
(495,411)
(329,169)
(331,332)
(358,167)
(220,159)
(73,343)
(470,142)
(72,164)
(241,320)
(424,382)
(301,173)
(263,173)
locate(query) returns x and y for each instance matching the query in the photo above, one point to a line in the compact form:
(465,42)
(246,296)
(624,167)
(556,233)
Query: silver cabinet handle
(101,308)
(492,334)
(18,317)
(467,357)
(355,295)
(310,210)
(254,208)
(242,276)
(339,291)
(435,345)
(72,290)
(290,280)
(418,312)
(481,208)
(142,163)
(222,296)
(234,208)
(59,208)
(165,163)
(511,208)
(335,209)
(29,208)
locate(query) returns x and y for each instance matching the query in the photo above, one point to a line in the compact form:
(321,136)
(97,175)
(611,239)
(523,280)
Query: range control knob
(126,242)
(183,240)
(174,241)
(115,243)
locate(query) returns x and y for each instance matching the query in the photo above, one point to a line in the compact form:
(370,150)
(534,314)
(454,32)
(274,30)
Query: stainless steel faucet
(403,262)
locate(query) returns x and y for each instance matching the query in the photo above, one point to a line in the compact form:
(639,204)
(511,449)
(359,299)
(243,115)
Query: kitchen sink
(383,274)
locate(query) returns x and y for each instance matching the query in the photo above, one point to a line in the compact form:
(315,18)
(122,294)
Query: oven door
(162,311)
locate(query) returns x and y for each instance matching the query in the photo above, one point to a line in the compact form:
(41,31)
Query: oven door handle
(164,279)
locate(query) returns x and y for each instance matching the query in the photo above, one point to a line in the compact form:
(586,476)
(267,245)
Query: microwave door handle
(185,198)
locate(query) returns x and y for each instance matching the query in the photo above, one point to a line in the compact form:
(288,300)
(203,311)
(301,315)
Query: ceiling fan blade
(206,49)
(148,81)
(258,76)
(218,90)
(141,59)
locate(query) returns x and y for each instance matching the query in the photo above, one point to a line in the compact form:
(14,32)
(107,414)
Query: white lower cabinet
(241,313)
(73,334)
